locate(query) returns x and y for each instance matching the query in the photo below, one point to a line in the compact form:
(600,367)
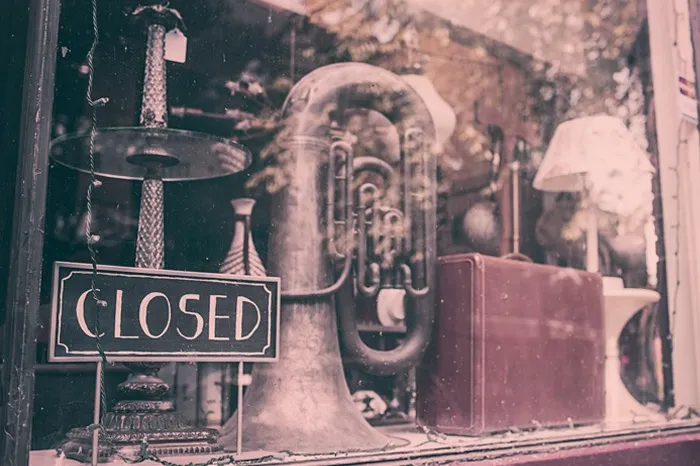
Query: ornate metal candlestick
(154,154)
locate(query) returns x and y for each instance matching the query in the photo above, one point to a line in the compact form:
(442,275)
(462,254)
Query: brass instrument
(335,235)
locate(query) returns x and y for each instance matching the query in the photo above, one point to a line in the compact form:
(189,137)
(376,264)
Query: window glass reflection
(369,147)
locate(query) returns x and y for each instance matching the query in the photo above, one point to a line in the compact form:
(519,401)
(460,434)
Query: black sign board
(163,315)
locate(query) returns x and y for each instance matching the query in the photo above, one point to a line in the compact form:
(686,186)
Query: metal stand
(154,154)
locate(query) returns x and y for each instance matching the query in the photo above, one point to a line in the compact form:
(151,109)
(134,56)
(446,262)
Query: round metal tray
(185,155)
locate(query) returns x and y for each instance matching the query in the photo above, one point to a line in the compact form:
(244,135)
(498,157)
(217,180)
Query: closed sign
(163,315)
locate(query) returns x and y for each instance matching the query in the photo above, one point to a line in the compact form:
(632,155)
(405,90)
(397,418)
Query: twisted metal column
(154,108)
(150,243)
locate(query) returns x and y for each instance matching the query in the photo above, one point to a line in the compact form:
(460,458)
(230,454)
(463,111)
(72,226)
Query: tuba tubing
(419,303)
(383,363)
(305,112)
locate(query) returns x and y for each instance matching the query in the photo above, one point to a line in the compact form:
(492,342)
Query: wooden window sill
(673,443)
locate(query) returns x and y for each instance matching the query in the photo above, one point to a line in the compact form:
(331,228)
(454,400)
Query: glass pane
(460,198)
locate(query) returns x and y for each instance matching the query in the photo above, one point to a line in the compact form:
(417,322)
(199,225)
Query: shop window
(480,179)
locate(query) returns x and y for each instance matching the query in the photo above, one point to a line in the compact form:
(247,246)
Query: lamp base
(620,305)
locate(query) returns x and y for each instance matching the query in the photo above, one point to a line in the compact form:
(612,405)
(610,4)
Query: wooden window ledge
(672,444)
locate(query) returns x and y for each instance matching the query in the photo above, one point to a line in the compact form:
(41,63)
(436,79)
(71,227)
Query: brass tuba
(334,237)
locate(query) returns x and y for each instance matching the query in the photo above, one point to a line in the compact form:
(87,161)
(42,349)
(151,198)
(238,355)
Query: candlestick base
(143,421)
(154,429)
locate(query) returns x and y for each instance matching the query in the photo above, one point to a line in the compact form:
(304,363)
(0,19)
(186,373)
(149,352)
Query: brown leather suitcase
(516,345)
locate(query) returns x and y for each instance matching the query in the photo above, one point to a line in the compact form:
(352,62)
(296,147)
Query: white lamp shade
(443,114)
(599,155)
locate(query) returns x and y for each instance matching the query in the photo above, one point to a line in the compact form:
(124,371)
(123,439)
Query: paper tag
(176,46)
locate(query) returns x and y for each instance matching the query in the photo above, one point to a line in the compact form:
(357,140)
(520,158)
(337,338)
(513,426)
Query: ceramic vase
(242,258)
(216,380)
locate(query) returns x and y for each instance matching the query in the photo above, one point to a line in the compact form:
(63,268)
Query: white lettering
(240,301)
(213,317)
(200,319)
(118,319)
(80,313)
(143,314)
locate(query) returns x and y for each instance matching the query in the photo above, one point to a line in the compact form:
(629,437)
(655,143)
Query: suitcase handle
(516,256)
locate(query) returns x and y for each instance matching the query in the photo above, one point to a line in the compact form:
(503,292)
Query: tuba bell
(342,227)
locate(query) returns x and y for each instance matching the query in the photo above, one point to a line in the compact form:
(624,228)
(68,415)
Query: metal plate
(201,156)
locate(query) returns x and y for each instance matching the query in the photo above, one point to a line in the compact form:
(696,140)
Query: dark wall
(13,37)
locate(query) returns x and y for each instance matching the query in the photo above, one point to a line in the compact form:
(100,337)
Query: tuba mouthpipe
(406,166)
(371,290)
(429,220)
(330,197)
(330,204)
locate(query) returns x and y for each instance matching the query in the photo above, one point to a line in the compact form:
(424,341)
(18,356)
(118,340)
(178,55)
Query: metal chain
(675,169)
(94,183)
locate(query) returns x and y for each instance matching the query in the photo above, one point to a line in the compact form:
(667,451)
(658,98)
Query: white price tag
(176,46)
